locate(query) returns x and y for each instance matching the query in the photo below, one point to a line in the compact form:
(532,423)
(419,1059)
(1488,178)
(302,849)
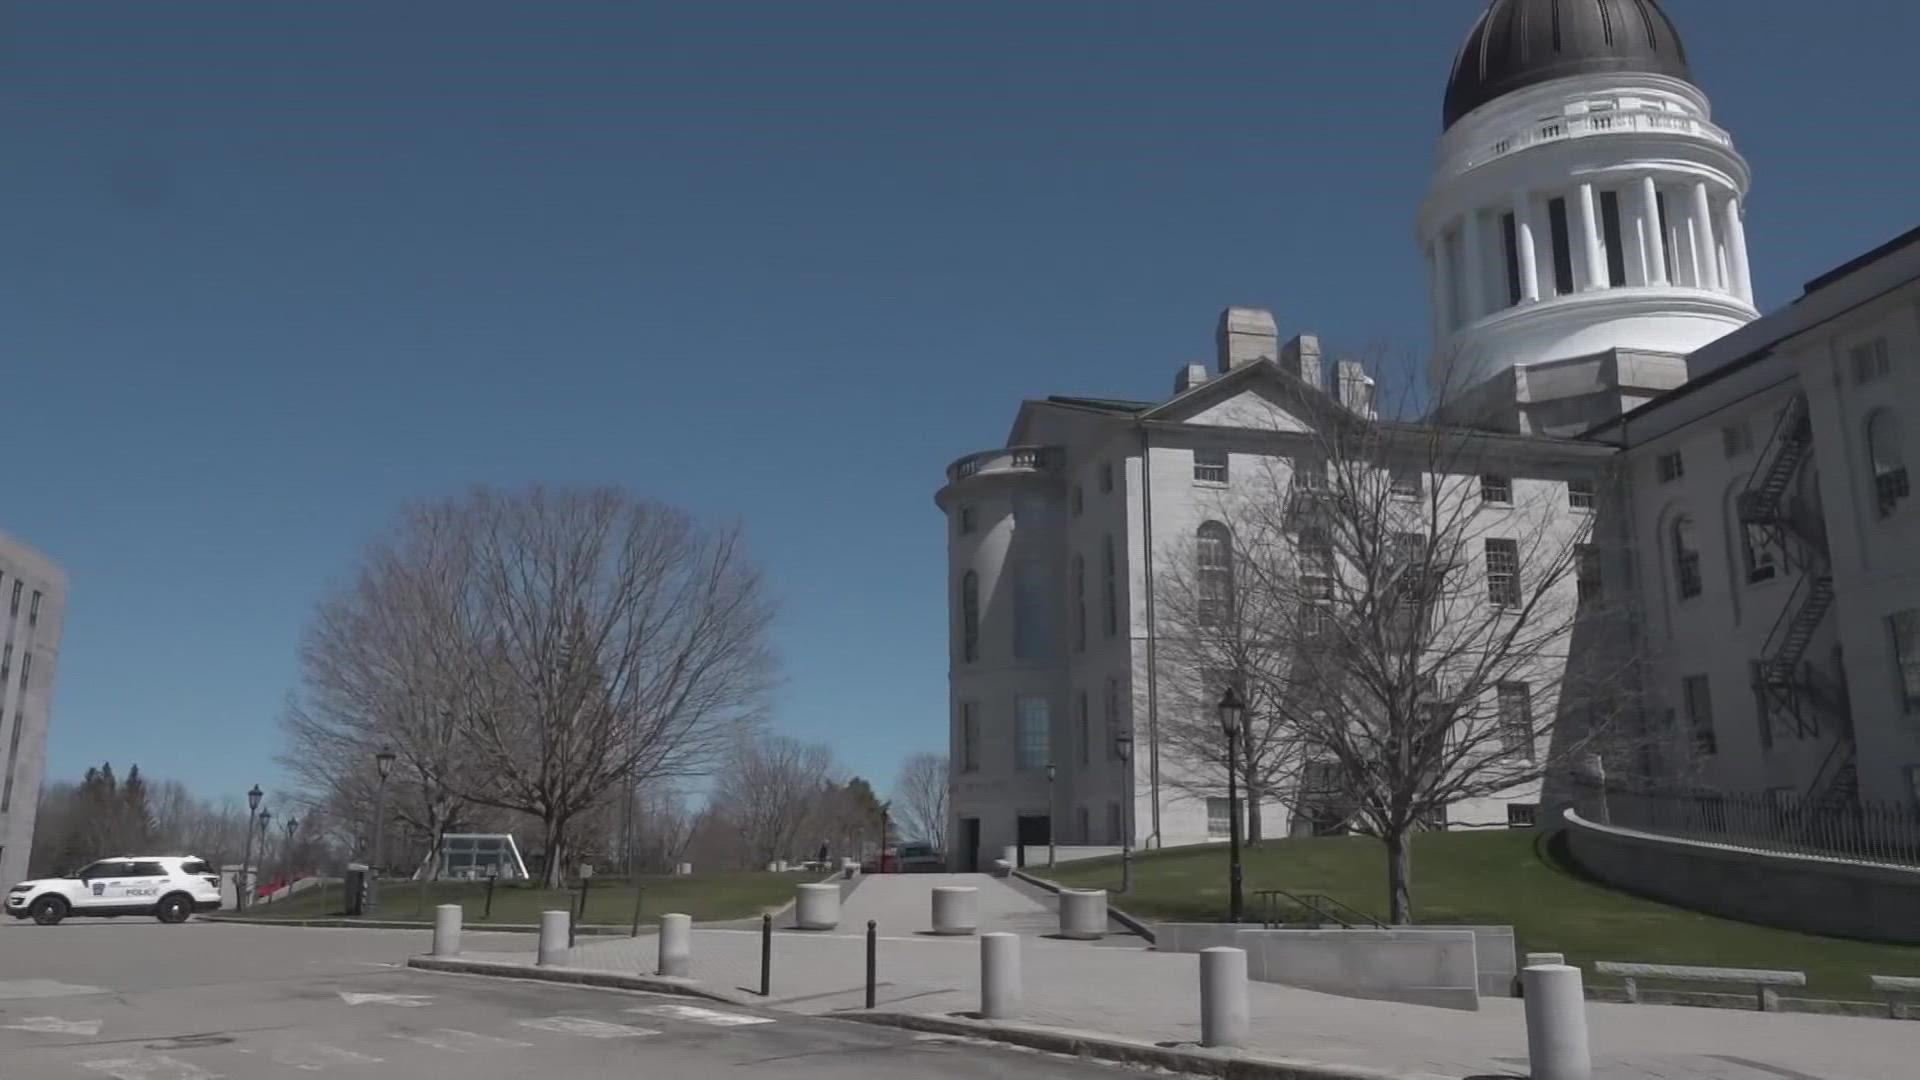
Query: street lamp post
(265,816)
(1123,746)
(1232,717)
(1053,825)
(286,851)
(242,885)
(382,763)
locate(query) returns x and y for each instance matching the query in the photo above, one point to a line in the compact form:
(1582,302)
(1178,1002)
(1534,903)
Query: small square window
(1522,815)
(1496,489)
(1404,482)
(1870,361)
(1210,466)
(1106,478)
(1671,467)
(1580,494)
(1310,473)
(1736,439)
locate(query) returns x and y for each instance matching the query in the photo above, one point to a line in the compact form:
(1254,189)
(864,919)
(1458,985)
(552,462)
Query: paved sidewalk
(1141,994)
(903,904)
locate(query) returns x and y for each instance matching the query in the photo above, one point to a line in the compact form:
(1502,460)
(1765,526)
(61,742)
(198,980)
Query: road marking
(159,1067)
(592,1029)
(699,1015)
(53,1025)
(404,1001)
(43,988)
(463,1042)
(313,1057)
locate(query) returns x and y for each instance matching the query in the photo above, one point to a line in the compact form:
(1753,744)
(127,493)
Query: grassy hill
(1498,877)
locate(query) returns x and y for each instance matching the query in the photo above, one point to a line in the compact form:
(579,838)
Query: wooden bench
(1763,982)
(1898,989)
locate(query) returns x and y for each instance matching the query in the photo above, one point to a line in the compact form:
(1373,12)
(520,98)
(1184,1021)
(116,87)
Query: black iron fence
(1774,821)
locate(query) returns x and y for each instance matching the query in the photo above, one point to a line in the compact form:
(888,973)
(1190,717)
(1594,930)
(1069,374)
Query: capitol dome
(1520,43)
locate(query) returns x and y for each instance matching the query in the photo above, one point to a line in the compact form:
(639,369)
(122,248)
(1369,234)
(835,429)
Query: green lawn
(1493,877)
(706,897)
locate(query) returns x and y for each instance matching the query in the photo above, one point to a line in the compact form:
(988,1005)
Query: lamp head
(253,799)
(383,761)
(1232,710)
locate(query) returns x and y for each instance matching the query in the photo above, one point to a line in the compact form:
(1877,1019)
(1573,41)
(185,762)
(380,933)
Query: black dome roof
(1518,43)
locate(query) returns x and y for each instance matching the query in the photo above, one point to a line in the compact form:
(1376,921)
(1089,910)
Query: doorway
(1030,829)
(970,845)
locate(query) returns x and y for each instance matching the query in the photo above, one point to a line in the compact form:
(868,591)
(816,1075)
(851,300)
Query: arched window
(1889,463)
(1214,565)
(1079,603)
(1686,558)
(970,617)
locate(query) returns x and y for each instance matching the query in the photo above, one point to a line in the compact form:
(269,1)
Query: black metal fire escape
(1794,694)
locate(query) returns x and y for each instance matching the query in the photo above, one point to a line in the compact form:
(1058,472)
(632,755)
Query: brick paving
(1136,993)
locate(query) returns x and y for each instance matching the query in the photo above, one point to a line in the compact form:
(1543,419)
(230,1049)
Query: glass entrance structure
(479,855)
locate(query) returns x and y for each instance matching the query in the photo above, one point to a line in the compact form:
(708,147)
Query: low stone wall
(1421,967)
(1796,892)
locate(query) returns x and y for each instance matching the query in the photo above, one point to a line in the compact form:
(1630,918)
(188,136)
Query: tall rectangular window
(1106,478)
(33,613)
(1116,830)
(969,737)
(1086,730)
(1503,573)
(966,520)
(1035,743)
(1496,489)
(1110,587)
(1112,709)
(1905,627)
(1516,719)
(1083,827)
(1562,246)
(1210,466)
(1610,231)
(1029,612)
(1587,571)
(1671,466)
(1219,819)
(1511,243)
(1736,440)
(1870,361)
(1079,603)
(969,617)
(1310,472)
(1698,699)
(1580,494)
(1404,481)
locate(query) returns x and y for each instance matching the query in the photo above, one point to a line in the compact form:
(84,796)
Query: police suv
(170,888)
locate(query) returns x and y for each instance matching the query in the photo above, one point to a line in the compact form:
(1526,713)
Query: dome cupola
(1521,43)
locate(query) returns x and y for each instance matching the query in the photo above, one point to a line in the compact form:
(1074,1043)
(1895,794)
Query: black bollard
(873,954)
(766,956)
(639,895)
(489,913)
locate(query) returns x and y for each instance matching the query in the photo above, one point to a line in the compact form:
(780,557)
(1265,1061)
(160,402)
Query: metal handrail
(1270,906)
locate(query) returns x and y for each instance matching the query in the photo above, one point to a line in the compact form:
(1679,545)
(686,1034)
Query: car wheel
(173,909)
(49,910)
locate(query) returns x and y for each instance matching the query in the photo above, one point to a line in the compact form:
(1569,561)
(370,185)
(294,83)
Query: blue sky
(268,270)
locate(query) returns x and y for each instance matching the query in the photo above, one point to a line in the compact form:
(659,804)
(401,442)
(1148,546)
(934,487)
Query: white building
(33,593)
(1591,300)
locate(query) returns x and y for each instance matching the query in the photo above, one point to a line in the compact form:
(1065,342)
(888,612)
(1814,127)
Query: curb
(1194,1060)
(398,924)
(605,980)
(1131,922)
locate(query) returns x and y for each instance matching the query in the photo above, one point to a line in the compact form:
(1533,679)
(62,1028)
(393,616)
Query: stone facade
(33,594)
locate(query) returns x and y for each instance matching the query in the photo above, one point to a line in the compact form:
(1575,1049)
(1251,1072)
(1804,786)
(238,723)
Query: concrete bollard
(999,976)
(956,909)
(446,930)
(1223,997)
(676,946)
(684,869)
(816,907)
(553,938)
(1083,914)
(1556,1023)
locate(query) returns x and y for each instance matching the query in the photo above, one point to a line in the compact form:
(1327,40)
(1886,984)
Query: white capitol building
(1593,312)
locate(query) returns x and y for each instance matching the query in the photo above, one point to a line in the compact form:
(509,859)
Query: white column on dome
(1736,231)
(1474,267)
(1588,228)
(1652,237)
(1704,259)
(1523,247)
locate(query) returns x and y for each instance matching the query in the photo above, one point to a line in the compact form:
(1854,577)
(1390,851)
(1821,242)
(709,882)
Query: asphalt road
(131,999)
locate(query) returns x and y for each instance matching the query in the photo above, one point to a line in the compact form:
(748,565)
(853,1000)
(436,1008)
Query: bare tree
(770,789)
(1398,609)
(920,798)
(535,653)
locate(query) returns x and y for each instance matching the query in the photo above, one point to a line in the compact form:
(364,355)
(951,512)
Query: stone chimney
(1245,335)
(1301,356)
(1189,377)
(1350,384)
